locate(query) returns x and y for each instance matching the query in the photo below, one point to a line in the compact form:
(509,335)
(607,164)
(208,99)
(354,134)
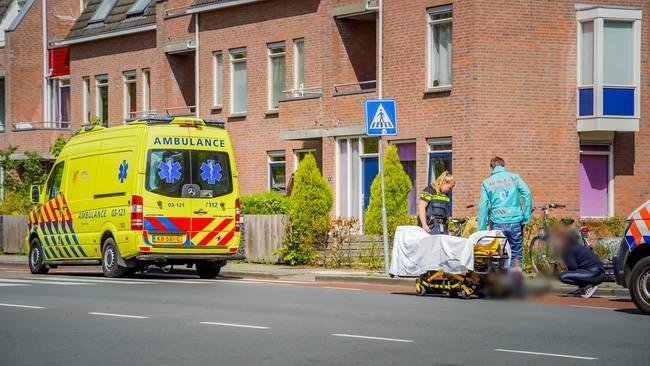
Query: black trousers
(583,277)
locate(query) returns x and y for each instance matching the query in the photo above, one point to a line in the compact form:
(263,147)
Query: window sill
(438,89)
(237,115)
(217,108)
(272,112)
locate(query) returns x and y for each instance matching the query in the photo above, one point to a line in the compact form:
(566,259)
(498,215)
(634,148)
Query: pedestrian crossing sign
(381,117)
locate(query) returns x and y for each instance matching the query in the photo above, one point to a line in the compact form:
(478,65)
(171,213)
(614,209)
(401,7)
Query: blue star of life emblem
(169,170)
(211,172)
(123,171)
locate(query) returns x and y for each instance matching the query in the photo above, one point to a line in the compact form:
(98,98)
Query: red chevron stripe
(154,221)
(216,231)
(200,223)
(181,223)
(226,239)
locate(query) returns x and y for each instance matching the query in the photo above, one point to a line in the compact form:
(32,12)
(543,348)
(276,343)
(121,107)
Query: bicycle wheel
(541,256)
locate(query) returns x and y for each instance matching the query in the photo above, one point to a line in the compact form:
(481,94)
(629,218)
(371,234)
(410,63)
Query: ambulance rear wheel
(36,259)
(110,255)
(208,270)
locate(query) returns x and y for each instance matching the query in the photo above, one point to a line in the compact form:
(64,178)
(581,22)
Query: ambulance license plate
(170,239)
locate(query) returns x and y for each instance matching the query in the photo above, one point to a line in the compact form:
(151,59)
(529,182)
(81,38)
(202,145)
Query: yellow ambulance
(158,191)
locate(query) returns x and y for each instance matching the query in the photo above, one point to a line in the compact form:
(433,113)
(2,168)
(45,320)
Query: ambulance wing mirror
(36,194)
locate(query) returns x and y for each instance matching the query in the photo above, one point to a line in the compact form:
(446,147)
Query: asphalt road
(85,319)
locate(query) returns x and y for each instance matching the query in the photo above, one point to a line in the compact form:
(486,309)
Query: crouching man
(584,268)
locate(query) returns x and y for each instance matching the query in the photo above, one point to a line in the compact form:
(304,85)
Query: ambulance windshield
(169,170)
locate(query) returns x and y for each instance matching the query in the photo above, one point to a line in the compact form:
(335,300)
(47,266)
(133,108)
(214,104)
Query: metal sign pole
(384,219)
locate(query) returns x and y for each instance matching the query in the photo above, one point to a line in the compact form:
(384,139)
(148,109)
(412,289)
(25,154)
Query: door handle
(200,212)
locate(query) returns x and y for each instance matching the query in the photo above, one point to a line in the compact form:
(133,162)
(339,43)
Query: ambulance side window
(54,183)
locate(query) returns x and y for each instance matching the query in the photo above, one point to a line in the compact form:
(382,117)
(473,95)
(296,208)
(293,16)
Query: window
(609,47)
(440,21)
(406,150)
(169,170)
(2,106)
(102,11)
(217,79)
(146,90)
(439,157)
(54,182)
(137,9)
(277,172)
(86,99)
(357,165)
(238,82)
(299,155)
(130,95)
(59,103)
(277,64)
(101,95)
(299,64)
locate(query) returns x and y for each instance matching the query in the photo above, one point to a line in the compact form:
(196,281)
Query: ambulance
(157,191)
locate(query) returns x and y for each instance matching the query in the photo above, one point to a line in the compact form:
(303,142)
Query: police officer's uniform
(438,210)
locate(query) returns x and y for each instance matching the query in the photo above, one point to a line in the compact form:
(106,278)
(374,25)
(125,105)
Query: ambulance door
(80,203)
(213,208)
(51,217)
(167,213)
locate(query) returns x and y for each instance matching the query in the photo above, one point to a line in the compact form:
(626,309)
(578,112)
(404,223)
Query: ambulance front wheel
(110,254)
(36,259)
(208,270)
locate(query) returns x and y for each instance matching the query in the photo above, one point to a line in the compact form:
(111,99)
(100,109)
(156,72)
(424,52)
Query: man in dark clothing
(584,268)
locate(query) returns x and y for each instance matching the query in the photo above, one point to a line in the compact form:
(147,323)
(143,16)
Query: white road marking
(236,325)
(119,315)
(14,284)
(545,354)
(372,338)
(591,307)
(42,282)
(342,288)
(22,306)
(94,280)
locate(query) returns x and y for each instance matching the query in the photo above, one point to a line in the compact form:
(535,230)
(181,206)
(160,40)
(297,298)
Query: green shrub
(57,146)
(397,186)
(269,203)
(309,209)
(18,176)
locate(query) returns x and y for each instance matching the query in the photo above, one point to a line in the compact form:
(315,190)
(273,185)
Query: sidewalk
(310,274)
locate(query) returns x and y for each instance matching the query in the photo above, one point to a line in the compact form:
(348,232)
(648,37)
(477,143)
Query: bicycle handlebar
(550,205)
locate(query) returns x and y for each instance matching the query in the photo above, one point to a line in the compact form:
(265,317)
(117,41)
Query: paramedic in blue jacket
(501,200)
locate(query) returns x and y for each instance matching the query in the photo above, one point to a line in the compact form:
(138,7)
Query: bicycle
(542,252)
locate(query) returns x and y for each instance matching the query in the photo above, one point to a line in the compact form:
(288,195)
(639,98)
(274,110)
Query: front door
(594,185)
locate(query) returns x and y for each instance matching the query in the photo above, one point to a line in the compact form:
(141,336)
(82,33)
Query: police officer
(435,205)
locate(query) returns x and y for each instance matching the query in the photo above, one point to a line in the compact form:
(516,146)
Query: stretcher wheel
(464,295)
(420,290)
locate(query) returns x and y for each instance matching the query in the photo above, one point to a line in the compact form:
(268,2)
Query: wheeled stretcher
(491,255)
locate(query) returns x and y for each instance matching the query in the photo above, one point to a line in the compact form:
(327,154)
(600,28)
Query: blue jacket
(501,196)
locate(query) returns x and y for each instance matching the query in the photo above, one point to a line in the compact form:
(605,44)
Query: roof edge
(100,36)
(193,9)
(21,15)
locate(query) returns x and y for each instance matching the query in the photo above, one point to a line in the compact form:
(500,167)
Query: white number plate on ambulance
(173,239)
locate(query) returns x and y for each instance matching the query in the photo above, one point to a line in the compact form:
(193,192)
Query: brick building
(554,87)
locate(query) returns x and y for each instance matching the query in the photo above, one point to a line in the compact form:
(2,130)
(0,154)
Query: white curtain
(239,87)
(441,57)
(278,72)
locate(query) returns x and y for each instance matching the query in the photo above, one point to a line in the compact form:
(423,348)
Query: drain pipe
(197,68)
(46,66)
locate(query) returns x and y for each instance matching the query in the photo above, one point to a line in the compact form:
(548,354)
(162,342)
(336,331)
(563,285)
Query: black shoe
(579,292)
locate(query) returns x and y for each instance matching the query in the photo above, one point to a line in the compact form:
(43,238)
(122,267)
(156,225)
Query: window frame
(271,164)
(85,85)
(128,78)
(431,23)
(599,15)
(296,157)
(217,80)
(100,82)
(298,87)
(610,175)
(438,141)
(234,60)
(146,90)
(271,47)
(102,12)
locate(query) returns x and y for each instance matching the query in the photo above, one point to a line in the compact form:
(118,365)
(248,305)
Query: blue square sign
(381,117)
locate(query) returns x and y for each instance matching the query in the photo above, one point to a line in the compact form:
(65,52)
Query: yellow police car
(158,191)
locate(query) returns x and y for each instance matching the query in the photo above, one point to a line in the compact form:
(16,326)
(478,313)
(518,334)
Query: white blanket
(416,252)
